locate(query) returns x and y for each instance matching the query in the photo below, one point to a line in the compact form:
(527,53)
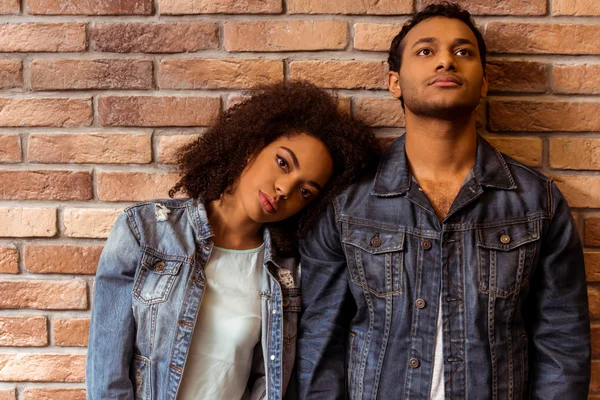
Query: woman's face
(284,177)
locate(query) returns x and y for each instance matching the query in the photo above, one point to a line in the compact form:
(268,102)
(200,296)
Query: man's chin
(442,110)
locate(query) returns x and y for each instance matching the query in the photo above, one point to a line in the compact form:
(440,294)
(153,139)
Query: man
(454,272)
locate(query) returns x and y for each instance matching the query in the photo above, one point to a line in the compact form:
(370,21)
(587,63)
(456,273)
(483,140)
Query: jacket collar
(203,230)
(394,177)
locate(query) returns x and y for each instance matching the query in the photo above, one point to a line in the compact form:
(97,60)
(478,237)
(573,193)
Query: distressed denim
(148,290)
(506,263)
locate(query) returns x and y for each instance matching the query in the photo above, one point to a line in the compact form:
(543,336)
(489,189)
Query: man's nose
(446,62)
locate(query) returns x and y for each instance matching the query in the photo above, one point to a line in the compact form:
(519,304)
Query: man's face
(441,75)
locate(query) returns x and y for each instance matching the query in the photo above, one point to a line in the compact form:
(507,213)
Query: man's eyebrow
(459,41)
(293,155)
(425,40)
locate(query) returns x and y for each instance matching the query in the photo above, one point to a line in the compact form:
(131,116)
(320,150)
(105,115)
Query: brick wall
(96,96)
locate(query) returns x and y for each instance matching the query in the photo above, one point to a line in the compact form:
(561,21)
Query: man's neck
(440,150)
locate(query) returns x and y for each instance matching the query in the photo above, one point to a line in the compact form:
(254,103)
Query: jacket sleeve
(558,314)
(327,308)
(111,339)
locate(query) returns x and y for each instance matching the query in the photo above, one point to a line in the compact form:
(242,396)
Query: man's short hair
(444,9)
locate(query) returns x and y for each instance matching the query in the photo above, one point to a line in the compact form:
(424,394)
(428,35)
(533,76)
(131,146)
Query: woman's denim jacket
(148,290)
(505,265)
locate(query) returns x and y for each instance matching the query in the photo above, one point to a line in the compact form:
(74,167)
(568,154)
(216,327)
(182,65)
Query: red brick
(580,190)
(341,74)
(61,259)
(89,7)
(54,394)
(169,147)
(99,148)
(219,74)
(43,295)
(575,153)
(28,367)
(71,332)
(576,79)
(220,6)
(285,35)
(10,149)
(516,37)
(23,331)
(91,74)
(11,74)
(592,268)
(9,260)
(53,112)
(45,185)
(9,7)
(134,186)
(379,112)
(517,76)
(544,116)
(27,222)
(595,382)
(381,7)
(576,7)
(592,231)
(594,302)
(375,37)
(158,111)
(505,7)
(89,222)
(42,37)
(524,149)
(155,37)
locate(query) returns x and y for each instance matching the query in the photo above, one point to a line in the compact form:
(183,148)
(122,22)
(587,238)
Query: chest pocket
(505,256)
(375,258)
(155,279)
(291,304)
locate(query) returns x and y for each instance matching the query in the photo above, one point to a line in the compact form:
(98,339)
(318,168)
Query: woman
(198,298)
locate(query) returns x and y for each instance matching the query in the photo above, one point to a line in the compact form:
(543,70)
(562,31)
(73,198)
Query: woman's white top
(227,329)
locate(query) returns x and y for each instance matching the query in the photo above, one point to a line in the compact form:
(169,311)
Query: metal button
(420,304)
(505,239)
(159,266)
(274,311)
(272,358)
(426,244)
(375,241)
(413,363)
(285,303)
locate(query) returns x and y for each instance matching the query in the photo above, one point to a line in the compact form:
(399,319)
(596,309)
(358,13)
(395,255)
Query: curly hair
(211,164)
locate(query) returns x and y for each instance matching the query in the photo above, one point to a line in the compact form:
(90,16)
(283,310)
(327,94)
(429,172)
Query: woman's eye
(281,162)
(307,194)
(424,52)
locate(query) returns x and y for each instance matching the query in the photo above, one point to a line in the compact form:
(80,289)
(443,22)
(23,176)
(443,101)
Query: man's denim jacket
(505,264)
(148,290)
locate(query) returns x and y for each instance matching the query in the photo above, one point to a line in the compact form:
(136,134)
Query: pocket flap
(373,240)
(160,266)
(291,301)
(509,237)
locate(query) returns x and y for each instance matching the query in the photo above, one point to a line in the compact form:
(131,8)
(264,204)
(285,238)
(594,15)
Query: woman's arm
(110,348)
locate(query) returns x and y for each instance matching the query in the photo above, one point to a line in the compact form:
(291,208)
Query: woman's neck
(231,226)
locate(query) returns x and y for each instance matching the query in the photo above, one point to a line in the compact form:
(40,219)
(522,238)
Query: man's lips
(446,81)
(267,202)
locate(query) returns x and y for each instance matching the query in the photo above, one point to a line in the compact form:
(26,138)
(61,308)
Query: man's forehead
(440,29)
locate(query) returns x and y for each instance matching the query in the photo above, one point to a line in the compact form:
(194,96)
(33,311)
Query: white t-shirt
(227,329)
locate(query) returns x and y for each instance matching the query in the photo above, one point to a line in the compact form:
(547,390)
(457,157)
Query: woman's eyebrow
(293,155)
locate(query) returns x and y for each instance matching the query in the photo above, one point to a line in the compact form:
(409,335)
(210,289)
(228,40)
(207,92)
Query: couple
(448,271)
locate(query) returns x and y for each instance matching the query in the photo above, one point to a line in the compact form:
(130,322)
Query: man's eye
(464,52)
(424,52)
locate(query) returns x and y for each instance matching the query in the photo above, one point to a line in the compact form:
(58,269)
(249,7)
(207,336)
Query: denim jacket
(148,290)
(505,264)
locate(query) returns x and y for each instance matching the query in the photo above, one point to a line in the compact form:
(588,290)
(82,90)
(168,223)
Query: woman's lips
(268,204)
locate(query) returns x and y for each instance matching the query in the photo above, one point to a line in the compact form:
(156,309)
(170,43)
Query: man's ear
(484,86)
(394,84)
